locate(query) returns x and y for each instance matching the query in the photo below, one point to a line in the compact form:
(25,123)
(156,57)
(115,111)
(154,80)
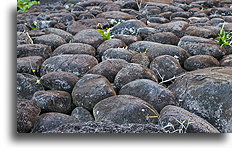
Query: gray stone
(129,27)
(207,93)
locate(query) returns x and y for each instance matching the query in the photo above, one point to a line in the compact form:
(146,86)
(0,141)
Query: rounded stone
(151,92)
(51,40)
(125,109)
(206,93)
(34,50)
(26,86)
(200,62)
(63,81)
(132,72)
(166,67)
(78,64)
(117,53)
(52,120)
(82,114)
(27,113)
(91,89)
(53,101)
(74,48)
(109,68)
(179,117)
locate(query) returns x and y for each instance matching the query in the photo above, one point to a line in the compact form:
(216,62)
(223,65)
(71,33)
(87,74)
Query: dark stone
(45,2)
(76,27)
(85,16)
(127,39)
(129,27)
(207,93)
(200,62)
(193,124)
(175,27)
(146,31)
(63,81)
(200,32)
(82,114)
(111,43)
(51,40)
(107,127)
(140,58)
(27,113)
(109,68)
(89,36)
(160,20)
(130,5)
(53,101)
(35,33)
(34,50)
(201,46)
(78,64)
(29,65)
(74,48)
(91,89)
(49,121)
(149,91)
(22,38)
(180,14)
(226,60)
(163,38)
(117,53)
(215,21)
(125,109)
(111,7)
(94,23)
(27,85)
(154,50)
(65,35)
(132,72)
(195,20)
(166,67)
(115,15)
